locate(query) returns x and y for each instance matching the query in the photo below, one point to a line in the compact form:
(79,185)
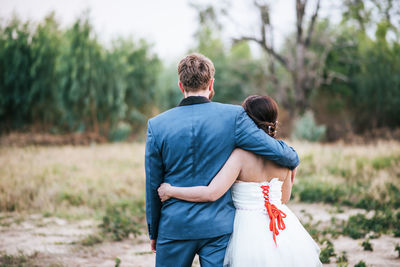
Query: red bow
(274,214)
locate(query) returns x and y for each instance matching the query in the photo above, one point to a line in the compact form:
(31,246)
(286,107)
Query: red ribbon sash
(276,215)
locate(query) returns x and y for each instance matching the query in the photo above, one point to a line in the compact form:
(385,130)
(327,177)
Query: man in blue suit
(187,146)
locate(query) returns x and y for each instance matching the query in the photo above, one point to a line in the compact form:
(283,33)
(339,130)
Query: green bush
(124,218)
(74,199)
(14,260)
(368,202)
(396,230)
(318,192)
(397,248)
(306,128)
(312,229)
(372,59)
(381,162)
(393,193)
(342,260)
(367,245)
(21,260)
(117,262)
(120,132)
(66,80)
(327,251)
(92,239)
(360,264)
(359,225)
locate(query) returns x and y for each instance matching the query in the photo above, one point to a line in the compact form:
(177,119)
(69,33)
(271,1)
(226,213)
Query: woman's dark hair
(263,110)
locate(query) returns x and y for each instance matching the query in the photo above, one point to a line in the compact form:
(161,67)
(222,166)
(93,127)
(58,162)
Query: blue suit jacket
(187,146)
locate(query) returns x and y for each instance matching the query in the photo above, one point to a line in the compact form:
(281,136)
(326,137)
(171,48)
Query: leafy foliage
(327,251)
(237,73)
(324,192)
(342,260)
(361,264)
(92,239)
(123,218)
(364,92)
(66,80)
(306,128)
(367,245)
(359,225)
(397,248)
(117,262)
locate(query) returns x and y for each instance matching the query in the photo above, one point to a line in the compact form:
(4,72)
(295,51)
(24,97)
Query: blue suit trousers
(180,253)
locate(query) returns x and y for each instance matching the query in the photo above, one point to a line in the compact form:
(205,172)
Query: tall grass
(84,180)
(70,181)
(364,176)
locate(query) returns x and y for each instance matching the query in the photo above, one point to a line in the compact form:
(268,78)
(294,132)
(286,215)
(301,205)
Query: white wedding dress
(252,242)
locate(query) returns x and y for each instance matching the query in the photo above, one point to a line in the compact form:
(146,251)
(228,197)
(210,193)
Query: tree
(140,75)
(304,67)
(369,13)
(44,91)
(15,79)
(78,76)
(237,73)
(370,94)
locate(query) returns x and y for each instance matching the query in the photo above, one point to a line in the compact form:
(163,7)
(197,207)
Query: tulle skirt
(252,244)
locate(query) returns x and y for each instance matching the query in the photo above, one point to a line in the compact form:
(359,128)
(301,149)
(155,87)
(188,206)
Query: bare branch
(331,75)
(247,38)
(312,24)
(266,47)
(300,10)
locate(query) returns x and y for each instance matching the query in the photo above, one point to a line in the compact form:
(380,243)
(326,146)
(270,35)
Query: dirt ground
(55,242)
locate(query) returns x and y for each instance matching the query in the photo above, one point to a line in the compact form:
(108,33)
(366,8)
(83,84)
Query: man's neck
(204,93)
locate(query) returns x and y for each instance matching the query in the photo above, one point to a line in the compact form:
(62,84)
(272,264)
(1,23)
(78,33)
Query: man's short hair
(195,72)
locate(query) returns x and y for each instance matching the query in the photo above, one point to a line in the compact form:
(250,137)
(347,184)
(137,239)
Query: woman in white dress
(266,232)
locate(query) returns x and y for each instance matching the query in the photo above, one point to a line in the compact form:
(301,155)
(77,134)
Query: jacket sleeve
(249,137)
(154,177)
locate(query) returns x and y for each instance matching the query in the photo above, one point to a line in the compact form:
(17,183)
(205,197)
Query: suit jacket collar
(192,100)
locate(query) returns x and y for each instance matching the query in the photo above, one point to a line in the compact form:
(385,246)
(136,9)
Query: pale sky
(168,24)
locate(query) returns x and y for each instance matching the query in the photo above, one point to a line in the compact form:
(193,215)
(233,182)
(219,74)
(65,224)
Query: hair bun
(269,127)
(263,110)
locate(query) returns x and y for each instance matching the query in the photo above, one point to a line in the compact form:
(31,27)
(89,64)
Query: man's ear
(211,86)
(181,87)
(211,89)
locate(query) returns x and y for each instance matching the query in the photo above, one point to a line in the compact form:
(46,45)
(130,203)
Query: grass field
(68,181)
(342,193)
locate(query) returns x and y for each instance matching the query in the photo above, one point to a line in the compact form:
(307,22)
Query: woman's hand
(164,191)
